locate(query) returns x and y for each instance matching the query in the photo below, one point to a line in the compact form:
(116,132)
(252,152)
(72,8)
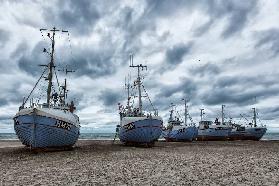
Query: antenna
(223,106)
(131,59)
(64,87)
(202,113)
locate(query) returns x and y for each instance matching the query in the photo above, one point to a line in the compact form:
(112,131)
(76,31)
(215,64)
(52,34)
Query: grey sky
(213,52)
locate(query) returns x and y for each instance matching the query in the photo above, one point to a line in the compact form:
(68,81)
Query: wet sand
(101,163)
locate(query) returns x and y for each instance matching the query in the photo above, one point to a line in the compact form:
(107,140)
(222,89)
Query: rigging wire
(43,35)
(56,79)
(149,99)
(34,87)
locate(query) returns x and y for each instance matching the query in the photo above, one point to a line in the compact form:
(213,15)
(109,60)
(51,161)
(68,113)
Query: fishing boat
(177,130)
(213,131)
(252,131)
(51,124)
(137,126)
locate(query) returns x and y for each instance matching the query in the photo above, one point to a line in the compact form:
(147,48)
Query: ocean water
(96,136)
(110,136)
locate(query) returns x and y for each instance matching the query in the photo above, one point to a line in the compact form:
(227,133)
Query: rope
(56,78)
(71,50)
(149,99)
(34,87)
(70,44)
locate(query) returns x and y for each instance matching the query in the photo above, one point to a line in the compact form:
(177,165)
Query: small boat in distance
(250,132)
(177,130)
(52,124)
(137,127)
(217,131)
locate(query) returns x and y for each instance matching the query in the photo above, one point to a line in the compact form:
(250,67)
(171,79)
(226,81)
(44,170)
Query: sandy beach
(94,162)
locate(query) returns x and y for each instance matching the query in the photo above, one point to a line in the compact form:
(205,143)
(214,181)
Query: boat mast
(223,106)
(64,92)
(171,112)
(186,111)
(255,117)
(51,64)
(202,113)
(139,67)
(127,84)
(128,91)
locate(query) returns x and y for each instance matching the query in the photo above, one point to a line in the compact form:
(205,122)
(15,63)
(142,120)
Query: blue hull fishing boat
(137,127)
(177,131)
(217,131)
(213,132)
(250,132)
(247,133)
(39,127)
(140,129)
(181,134)
(51,124)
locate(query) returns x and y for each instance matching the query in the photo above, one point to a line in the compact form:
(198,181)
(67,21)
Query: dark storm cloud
(87,62)
(206,69)
(93,63)
(29,61)
(237,13)
(239,90)
(187,87)
(168,7)
(238,17)
(270,40)
(269,113)
(4,37)
(227,81)
(77,16)
(20,50)
(3,101)
(12,95)
(175,54)
(133,26)
(110,97)
(222,96)
(203,28)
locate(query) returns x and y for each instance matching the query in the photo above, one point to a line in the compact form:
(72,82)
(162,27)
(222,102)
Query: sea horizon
(271,135)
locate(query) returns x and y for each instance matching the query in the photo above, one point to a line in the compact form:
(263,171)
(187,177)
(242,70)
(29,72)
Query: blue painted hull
(212,134)
(183,134)
(43,132)
(248,134)
(142,131)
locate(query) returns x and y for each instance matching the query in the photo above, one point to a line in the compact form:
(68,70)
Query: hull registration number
(63,125)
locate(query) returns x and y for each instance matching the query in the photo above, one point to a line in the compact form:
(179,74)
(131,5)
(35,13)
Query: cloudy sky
(212,52)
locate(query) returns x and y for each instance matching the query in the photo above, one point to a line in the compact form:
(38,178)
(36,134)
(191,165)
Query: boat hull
(213,134)
(143,130)
(183,134)
(248,134)
(39,131)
